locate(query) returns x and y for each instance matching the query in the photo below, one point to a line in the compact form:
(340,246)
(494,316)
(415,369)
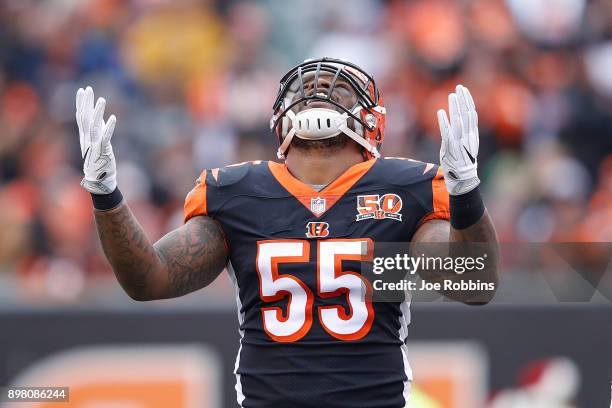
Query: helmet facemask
(359,114)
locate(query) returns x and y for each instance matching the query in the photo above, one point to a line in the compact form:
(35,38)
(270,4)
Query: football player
(292,235)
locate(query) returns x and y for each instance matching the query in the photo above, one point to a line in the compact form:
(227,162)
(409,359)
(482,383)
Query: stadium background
(192,83)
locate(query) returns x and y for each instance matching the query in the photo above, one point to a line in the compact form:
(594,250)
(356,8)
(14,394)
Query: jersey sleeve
(195,202)
(438,208)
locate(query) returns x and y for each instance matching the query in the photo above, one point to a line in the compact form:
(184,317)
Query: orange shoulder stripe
(440,195)
(195,203)
(440,200)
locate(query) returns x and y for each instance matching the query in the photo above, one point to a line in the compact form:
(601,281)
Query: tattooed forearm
(127,249)
(184,260)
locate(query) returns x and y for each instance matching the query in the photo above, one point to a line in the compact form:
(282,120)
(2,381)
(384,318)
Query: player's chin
(329,145)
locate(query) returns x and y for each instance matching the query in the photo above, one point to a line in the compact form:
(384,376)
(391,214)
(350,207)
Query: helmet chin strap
(319,124)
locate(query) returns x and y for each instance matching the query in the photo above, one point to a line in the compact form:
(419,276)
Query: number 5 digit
(334,282)
(274,287)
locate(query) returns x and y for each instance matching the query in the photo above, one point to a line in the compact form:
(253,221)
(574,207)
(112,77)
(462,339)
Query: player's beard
(328,146)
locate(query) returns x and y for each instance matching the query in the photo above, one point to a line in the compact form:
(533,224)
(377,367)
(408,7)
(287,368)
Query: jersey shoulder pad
(232,174)
(214,186)
(401,171)
(423,181)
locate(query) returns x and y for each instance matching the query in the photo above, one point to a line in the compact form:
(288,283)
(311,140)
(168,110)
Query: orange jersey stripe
(440,200)
(195,203)
(332,193)
(440,196)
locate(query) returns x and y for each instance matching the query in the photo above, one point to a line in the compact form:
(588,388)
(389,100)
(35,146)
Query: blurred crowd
(192,83)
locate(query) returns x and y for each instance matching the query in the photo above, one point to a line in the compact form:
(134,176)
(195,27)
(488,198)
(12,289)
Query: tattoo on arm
(127,249)
(184,260)
(194,255)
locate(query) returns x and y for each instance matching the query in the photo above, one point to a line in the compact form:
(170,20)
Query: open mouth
(319,104)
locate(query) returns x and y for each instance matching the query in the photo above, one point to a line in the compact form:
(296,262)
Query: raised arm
(184,260)
(470,231)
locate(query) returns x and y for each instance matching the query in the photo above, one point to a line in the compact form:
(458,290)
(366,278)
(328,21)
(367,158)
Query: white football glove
(459,151)
(96,150)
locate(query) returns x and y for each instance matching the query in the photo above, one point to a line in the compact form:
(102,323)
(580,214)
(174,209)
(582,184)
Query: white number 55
(332,281)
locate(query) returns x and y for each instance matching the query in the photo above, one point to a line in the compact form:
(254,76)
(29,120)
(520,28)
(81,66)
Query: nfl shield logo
(317,205)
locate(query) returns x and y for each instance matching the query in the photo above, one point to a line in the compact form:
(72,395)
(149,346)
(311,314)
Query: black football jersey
(311,336)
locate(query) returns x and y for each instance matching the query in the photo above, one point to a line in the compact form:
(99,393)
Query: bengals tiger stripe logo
(317,229)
